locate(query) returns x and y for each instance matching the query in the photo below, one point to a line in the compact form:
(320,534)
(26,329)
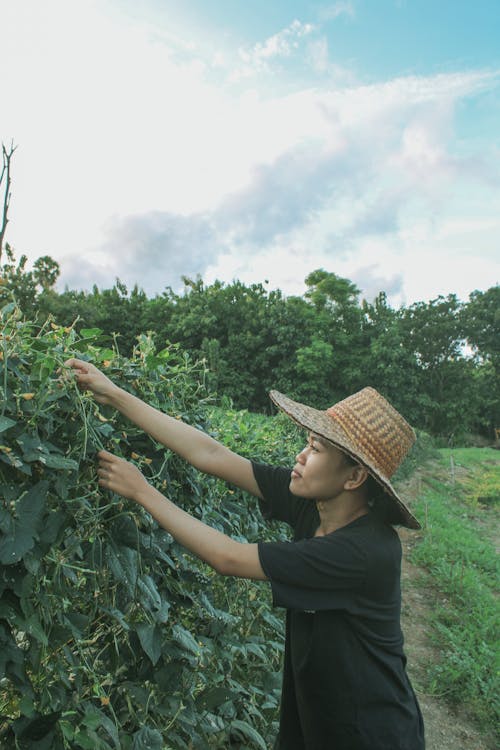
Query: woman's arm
(195,446)
(222,553)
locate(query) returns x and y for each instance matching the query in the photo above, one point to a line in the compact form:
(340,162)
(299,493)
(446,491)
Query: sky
(256,141)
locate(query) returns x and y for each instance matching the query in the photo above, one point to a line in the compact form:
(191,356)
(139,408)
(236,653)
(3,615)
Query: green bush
(111,635)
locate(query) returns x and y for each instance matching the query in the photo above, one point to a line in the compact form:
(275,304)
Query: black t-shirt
(344,682)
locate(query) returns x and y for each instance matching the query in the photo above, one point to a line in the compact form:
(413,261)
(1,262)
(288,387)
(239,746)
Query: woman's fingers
(78,366)
(119,475)
(105,456)
(89,377)
(77,369)
(107,463)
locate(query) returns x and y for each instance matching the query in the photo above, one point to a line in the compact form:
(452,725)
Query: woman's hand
(120,476)
(90,378)
(218,550)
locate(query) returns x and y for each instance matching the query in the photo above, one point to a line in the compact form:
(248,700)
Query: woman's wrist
(147,495)
(117,397)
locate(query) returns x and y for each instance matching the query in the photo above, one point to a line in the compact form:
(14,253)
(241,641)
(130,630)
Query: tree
(332,292)
(18,283)
(22,285)
(433,331)
(338,322)
(46,271)
(228,325)
(5,178)
(389,363)
(116,310)
(314,365)
(481,323)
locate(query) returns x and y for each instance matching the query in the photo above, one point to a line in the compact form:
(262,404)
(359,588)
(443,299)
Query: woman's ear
(357,476)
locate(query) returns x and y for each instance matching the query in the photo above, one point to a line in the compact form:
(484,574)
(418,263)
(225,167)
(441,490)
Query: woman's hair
(379,501)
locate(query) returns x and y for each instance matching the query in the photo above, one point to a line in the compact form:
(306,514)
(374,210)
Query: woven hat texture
(366,427)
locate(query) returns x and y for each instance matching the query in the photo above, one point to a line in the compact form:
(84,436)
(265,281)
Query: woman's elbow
(240,560)
(225,564)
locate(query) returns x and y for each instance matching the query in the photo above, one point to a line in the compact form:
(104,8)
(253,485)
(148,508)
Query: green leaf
(105,354)
(78,622)
(117,615)
(6,520)
(88,333)
(35,728)
(249,733)
(34,628)
(31,506)
(184,638)
(52,526)
(7,309)
(84,742)
(12,460)
(150,638)
(20,538)
(147,739)
(214,697)
(92,718)
(6,423)
(53,461)
(149,594)
(123,563)
(27,706)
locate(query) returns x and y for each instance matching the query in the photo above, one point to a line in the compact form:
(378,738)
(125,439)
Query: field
(451,615)
(112,636)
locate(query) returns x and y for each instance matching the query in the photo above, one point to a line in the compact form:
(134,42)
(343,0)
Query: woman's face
(320,471)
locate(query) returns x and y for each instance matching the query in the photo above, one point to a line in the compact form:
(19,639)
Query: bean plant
(111,635)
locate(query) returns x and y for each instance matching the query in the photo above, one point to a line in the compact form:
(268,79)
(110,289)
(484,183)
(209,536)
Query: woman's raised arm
(195,446)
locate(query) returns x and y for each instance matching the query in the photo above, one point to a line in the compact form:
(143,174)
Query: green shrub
(111,635)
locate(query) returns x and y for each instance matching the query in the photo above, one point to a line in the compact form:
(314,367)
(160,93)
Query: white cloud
(156,248)
(261,57)
(341,8)
(348,197)
(136,158)
(371,281)
(319,55)
(281,44)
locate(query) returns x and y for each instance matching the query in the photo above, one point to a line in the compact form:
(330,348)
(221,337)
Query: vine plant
(111,635)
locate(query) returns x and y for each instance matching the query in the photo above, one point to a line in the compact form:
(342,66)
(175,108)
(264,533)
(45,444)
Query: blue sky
(378,37)
(256,140)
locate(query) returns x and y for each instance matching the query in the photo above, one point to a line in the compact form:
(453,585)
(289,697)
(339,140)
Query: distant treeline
(437,361)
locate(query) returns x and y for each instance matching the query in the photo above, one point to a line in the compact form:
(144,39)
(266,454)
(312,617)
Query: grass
(460,505)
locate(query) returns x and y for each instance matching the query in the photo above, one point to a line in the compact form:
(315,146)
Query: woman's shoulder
(372,532)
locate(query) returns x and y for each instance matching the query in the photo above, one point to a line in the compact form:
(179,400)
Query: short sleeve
(314,574)
(277,502)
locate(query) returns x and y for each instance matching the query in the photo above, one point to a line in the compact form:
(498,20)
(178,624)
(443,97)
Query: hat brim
(323,425)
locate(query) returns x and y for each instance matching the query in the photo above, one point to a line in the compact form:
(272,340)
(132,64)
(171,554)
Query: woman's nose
(301,457)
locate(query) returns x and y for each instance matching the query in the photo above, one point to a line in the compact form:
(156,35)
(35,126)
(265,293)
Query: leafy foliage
(436,361)
(111,635)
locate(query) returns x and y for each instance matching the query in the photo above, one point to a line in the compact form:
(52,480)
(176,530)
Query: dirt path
(445,728)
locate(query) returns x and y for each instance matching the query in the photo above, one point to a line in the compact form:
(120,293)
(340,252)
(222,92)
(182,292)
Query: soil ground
(446,728)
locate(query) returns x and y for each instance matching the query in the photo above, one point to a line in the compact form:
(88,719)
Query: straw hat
(367,428)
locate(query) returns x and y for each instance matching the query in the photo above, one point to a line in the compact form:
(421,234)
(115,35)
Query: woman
(344,685)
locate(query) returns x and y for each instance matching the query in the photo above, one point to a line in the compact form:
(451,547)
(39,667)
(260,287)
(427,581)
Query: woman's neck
(340,511)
